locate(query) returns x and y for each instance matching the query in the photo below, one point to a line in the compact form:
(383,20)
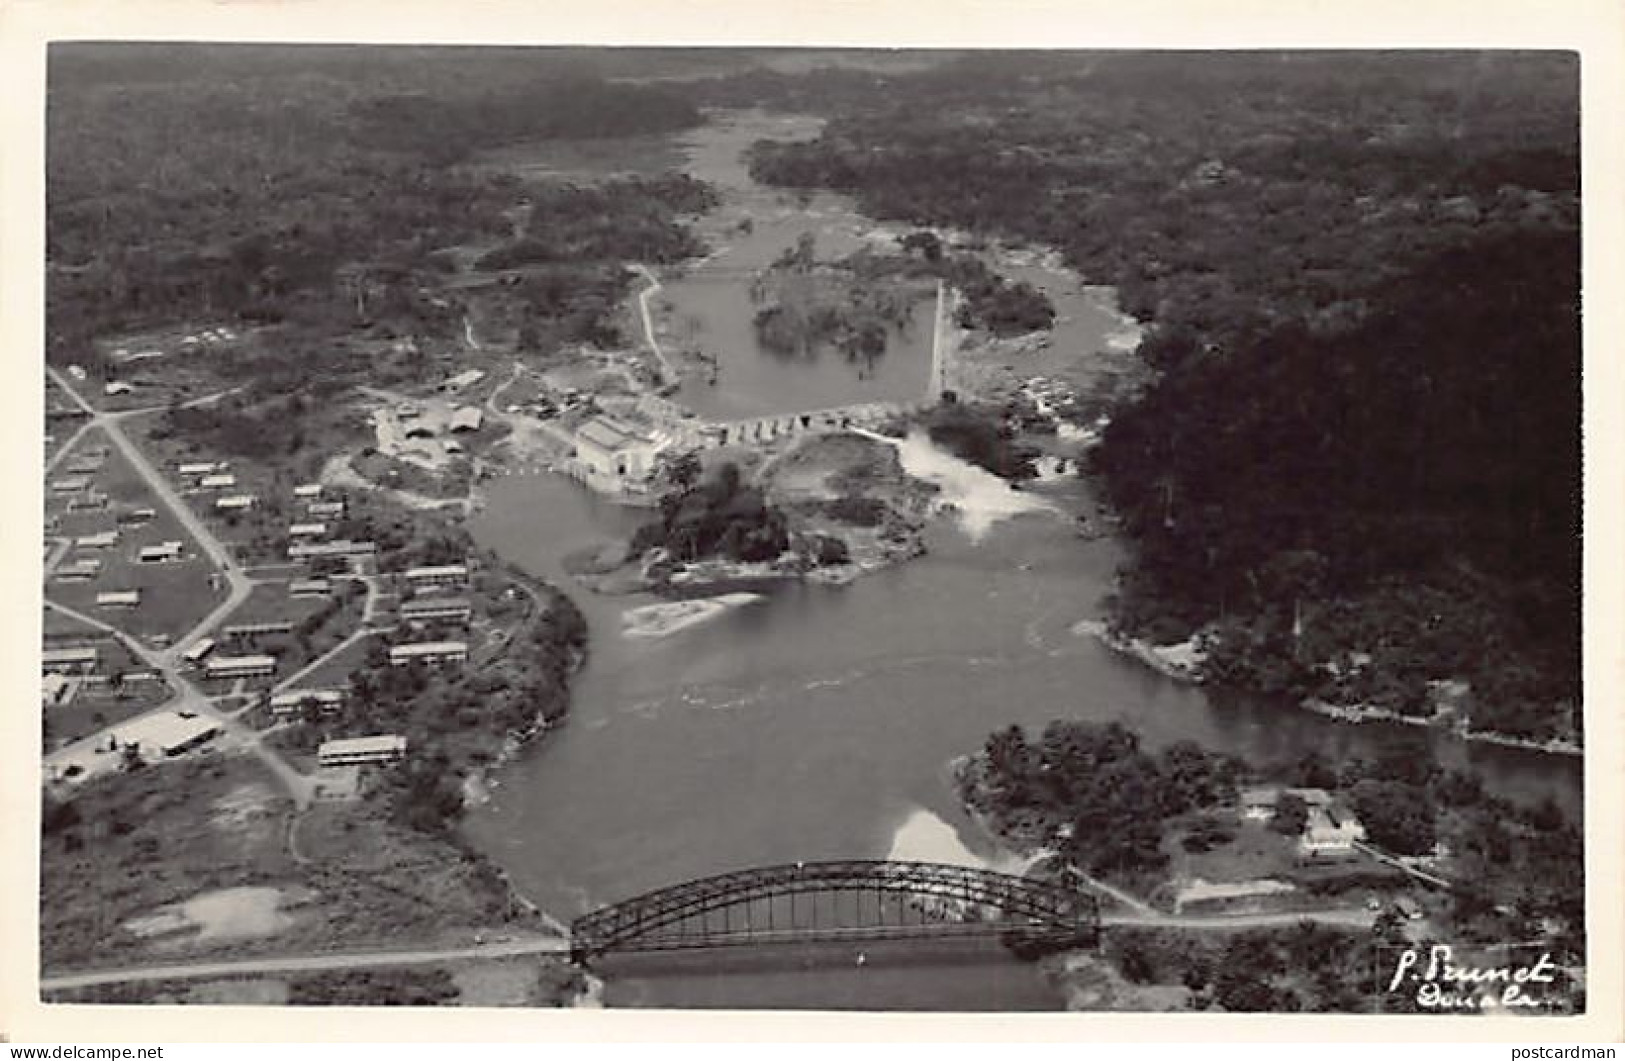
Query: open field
(192,858)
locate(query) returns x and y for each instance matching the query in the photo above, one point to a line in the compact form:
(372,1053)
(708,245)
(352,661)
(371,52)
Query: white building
(104,540)
(463,379)
(308,490)
(199,649)
(240,666)
(57,689)
(79,571)
(234,503)
(430,652)
(611,450)
(1330,832)
(426,609)
(307,530)
(385,748)
(163,553)
(222,481)
(119,598)
(340,547)
(292,702)
(442,575)
(167,734)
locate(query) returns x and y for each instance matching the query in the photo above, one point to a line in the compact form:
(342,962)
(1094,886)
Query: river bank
(1183,662)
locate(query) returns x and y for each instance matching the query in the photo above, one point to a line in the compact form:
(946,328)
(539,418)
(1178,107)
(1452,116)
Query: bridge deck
(837,901)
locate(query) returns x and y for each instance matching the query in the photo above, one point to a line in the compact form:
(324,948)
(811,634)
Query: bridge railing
(945,900)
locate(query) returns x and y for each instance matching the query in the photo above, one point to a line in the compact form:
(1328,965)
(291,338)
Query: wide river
(822,722)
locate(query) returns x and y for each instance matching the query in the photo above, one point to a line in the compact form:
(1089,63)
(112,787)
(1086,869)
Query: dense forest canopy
(262,182)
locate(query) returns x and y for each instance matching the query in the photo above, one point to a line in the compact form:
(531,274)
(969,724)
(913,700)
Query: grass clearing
(135,846)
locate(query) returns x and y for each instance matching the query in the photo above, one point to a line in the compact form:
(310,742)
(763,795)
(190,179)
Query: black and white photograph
(1072,530)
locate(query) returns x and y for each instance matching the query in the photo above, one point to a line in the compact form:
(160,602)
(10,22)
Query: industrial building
(167,734)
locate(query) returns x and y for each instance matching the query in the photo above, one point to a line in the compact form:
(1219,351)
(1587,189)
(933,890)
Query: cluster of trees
(980,434)
(1357,516)
(718,516)
(632,219)
(804,306)
(374,987)
(990,302)
(1092,793)
(1361,278)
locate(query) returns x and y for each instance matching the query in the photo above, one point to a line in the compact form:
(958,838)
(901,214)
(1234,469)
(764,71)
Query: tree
(1397,817)
(1291,814)
(683,470)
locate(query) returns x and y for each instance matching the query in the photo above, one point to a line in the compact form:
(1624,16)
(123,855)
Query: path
(305,963)
(937,381)
(1351,918)
(667,371)
(1347,917)
(363,629)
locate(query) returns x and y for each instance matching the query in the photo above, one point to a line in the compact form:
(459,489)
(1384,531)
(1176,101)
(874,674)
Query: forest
(290,185)
(1358,472)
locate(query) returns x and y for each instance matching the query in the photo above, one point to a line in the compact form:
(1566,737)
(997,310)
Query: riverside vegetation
(1358,470)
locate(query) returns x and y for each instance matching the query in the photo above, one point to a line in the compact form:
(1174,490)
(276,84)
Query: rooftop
(383,743)
(428,648)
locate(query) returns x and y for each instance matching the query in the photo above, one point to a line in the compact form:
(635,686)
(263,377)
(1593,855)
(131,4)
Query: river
(822,722)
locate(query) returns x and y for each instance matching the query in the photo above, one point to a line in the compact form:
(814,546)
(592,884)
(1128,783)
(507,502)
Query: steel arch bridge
(836,901)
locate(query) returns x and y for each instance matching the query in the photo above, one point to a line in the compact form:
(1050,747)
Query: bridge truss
(839,901)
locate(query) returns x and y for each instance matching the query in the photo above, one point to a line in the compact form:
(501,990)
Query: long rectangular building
(287,704)
(349,751)
(429,652)
(441,575)
(426,609)
(269,628)
(341,547)
(240,666)
(64,660)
